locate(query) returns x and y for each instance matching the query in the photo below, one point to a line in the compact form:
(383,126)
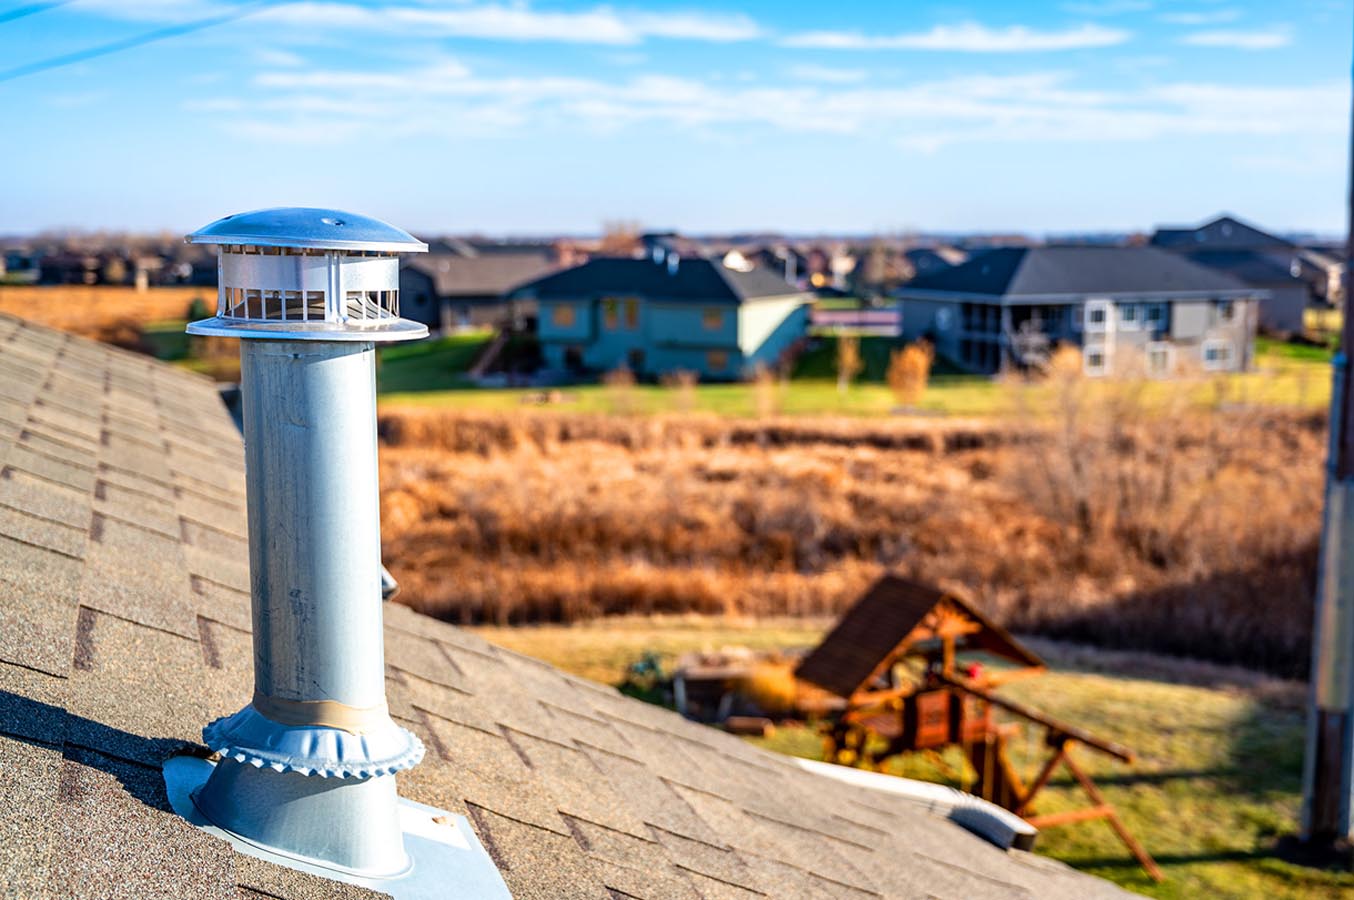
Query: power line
(159,34)
(19,12)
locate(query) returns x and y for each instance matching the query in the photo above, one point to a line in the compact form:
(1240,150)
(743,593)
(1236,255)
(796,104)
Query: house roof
(880,621)
(1250,266)
(493,273)
(1076,269)
(125,627)
(698,279)
(1219,233)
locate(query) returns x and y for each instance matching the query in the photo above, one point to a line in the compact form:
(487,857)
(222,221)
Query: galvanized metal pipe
(314,521)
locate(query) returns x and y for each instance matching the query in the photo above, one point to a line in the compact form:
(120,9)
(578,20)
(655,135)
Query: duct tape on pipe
(322,713)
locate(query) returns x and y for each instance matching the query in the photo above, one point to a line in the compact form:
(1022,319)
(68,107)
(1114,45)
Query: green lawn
(436,364)
(1285,375)
(1217,781)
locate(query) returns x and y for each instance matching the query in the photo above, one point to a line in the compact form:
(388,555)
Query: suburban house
(468,283)
(1295,277)
(666,312)
(1127,308)
(128,624)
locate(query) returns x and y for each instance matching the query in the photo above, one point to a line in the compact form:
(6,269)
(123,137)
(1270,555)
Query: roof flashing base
(442,848)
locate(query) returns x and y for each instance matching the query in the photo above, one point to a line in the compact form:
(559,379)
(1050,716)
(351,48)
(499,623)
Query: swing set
(887,682)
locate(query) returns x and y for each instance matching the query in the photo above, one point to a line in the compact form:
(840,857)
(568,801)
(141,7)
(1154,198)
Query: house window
(1078,318)
(632,314)
(716,360)
(1130,316)
(1095,361)
(611,314)
(1097,317)
(1226,310)
(1217,355)
(562,316)
(1155,316)
(1160,356)
(712,319)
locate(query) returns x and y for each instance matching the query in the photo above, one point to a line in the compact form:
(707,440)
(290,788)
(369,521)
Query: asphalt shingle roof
(124,627)
(484,275)
(1031,271)
(696,279)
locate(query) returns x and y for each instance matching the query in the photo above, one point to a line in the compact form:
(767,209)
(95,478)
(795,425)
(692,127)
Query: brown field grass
(114,315)
(1193,532)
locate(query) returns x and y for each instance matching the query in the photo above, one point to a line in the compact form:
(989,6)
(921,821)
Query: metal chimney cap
(307,228)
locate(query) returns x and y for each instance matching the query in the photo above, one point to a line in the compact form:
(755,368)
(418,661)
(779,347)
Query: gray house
(1293,276)
(468,283)
(1127,308)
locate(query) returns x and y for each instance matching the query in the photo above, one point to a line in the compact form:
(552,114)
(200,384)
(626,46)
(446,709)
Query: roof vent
(306,775)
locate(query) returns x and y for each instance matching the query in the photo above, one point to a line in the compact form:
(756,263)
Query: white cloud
(269,56)
(1266,39)
(967,37)
(1108,7)
(826,74)
(1202,17)
(518,22)
(452,102)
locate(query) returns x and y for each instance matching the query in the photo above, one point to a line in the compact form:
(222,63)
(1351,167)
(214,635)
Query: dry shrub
(682,383)
(1194,532)
(766,389)
(620,391)
(849,362)
(908,372)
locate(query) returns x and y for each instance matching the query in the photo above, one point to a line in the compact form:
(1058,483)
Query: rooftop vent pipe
(306,771)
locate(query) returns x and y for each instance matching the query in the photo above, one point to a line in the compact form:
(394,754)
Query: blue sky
(509,116)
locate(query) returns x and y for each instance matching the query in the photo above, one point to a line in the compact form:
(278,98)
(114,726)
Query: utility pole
(1327,790)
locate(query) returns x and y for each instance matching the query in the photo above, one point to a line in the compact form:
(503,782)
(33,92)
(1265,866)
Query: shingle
(43,533)
(577,785)
(115,837)
(486,771)
(423,658)
(37,628)
(79,478)
(137,575)
(536,864)
(137,693)
(272,880)
(35,496)
(788,882)
(214,540)
(651,798)
(115,501)
(29,775)
(636,867)
(712,860)
(222,604)
(35,707)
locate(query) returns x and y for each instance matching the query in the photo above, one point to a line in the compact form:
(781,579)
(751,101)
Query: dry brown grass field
(115,315)
(1189,530)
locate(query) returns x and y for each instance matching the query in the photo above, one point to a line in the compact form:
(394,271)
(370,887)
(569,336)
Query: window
(562,316)
(716,360)
(1130,316)
(1160,356)
(1217,355)
(1226,310)
(1154,314)
(611,314)
(1095,361)
(632,314)
(1097,315)
(1078,318)
(712,319)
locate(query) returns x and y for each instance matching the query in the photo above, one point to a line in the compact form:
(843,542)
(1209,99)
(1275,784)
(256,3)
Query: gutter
(999,827)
